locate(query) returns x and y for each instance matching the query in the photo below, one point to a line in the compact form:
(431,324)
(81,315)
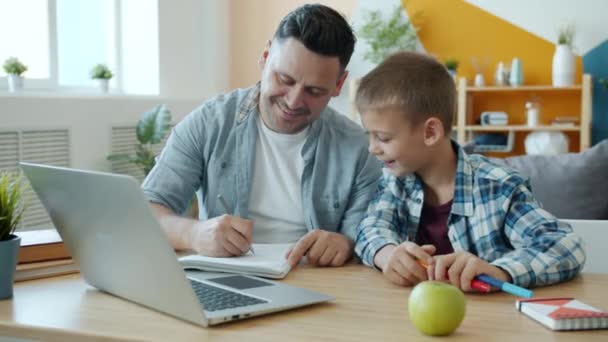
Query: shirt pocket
(221,180)
(330,212)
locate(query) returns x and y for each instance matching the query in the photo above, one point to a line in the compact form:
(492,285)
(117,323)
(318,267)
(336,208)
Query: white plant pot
(15,83)
(104,85)
(563,66)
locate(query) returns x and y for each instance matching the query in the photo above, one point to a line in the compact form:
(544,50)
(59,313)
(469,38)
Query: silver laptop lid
(110,231)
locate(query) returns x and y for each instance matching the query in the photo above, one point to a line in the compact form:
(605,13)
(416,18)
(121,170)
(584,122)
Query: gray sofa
(570,186)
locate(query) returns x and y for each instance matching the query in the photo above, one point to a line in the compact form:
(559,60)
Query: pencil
(225,205)
(475,283)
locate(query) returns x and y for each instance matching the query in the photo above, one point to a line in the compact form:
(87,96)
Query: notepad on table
(563,313)
(268,261)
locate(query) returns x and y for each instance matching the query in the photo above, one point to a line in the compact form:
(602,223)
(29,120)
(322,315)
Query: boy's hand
(460,268)
(399,263)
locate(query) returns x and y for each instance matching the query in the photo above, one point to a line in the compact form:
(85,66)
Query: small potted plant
(11,212)
(452,65)
(102,74)
(14,68)
(564,60)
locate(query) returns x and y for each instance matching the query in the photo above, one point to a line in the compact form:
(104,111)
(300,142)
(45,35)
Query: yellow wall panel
(454,28)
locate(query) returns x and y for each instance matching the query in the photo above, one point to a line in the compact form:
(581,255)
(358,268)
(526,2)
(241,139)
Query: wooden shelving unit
(469,111)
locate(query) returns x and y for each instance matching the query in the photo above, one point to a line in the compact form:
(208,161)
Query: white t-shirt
(275,202)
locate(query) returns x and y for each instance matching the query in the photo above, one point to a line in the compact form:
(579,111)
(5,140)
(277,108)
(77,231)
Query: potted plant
(151,130)
(452,65)
(386,37)
(102,74)
(14,68)
(604,83)
(11,212)
(564,59)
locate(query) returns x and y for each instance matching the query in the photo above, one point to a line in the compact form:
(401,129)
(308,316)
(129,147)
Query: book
(45,269)
(269,261)
(41,245)
(563,313)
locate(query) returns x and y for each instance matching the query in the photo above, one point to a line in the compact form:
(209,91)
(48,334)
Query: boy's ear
(433,131)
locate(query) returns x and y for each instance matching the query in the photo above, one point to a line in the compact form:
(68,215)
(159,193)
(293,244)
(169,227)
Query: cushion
(570,186)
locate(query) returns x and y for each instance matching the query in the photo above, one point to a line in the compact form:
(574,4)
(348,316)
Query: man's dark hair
(321,29)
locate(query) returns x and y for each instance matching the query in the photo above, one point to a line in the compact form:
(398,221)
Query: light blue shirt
(213,149)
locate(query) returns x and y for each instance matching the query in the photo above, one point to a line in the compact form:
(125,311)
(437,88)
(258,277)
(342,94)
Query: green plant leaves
(11,203)
(101,71)
(153,126)
(387,37)
(151,129)
(13,66)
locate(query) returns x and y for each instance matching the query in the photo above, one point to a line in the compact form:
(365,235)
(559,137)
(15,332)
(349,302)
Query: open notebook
(268,261)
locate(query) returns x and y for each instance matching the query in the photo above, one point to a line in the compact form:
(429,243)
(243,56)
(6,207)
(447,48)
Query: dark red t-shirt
(433,228)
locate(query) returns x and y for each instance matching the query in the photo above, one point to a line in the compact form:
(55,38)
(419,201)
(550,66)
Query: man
(290,169)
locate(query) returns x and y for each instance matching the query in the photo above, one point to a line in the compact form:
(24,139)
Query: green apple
(436,308)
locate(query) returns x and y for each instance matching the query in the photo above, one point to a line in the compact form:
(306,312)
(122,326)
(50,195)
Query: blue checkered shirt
(494,216)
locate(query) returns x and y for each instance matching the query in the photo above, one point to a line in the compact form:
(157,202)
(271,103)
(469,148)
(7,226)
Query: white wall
(544,18)
(194,47)
(90,120)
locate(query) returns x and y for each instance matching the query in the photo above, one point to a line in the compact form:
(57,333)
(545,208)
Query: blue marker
(506,287)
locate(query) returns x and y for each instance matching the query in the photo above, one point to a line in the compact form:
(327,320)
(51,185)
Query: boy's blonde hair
(414,83)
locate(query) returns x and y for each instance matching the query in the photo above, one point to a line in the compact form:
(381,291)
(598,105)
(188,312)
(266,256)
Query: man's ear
(433,131)
(340,83)
(264,55)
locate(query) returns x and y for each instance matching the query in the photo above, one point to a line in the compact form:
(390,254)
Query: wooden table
(367,308)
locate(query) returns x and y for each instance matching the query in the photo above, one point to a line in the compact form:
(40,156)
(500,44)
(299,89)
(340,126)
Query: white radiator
(42,146)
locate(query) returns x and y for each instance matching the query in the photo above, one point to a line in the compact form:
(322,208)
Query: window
(24,33)
(61,40)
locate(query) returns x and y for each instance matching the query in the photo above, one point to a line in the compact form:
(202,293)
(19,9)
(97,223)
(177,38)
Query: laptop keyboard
(214,298)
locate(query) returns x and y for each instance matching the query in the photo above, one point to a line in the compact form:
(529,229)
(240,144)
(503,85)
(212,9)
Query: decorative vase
(563,66)
(8,254)
(15,83)
(516,77)
(479,80)
(104,85)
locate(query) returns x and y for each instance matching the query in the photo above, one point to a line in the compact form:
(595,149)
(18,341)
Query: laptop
(112,234)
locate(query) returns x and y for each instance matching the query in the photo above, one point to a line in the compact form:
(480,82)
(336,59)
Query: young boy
(460,215)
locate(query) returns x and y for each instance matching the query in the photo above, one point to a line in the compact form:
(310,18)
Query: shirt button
(223,165)
(336,205)
(418,201)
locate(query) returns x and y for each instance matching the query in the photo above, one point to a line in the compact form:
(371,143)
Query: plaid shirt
(494,216)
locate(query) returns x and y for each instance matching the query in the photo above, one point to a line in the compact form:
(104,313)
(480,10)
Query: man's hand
(322,248)
(460,268)
(222,236)
(399,263)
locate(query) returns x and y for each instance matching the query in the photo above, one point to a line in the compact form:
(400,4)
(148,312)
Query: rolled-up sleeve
(180,166)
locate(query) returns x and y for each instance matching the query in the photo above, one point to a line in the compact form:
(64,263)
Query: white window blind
(42,146)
